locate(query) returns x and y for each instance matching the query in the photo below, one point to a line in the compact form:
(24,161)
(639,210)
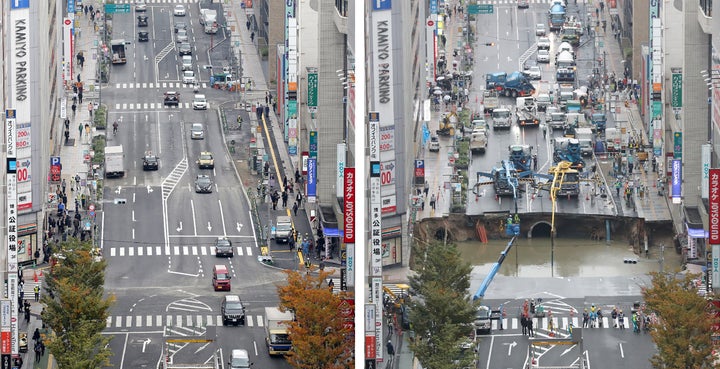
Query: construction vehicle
(114,161)
(490,100)
(565,59)
(478,140)
(526,112)
(277,332)
(208,19)
(555,118)
(482,322)
(446,126)
(568,150)
(495,81)
(566,92)
(117,47)
(496,266)
(397,300)
(501,118)
(556,17)
(505,179)
(565,74)
(585,137)
(517,84)
(613,140)
(599,120)
(521,157)
(570,33)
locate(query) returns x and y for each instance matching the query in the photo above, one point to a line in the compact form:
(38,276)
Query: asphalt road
(512,32)
(606,346)
(158,243)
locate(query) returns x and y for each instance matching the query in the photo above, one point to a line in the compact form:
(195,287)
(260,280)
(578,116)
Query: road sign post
(117,8)
(481,9)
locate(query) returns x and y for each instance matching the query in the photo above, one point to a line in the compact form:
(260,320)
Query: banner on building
(716,266)
(705,155)
(340,172)
(714,208)
(676,181)
(312,180)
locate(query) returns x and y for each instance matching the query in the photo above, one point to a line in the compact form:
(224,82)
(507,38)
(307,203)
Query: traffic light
(489,44)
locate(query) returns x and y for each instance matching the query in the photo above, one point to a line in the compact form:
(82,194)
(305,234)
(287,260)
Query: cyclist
(115,127)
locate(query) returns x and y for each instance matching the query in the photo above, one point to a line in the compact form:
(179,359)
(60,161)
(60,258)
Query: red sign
(55,173)
(6,345)
(349,206)
(370,352)
(714,211)
(67,22)
(347,311)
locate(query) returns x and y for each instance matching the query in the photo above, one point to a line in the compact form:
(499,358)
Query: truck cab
(482,320)
(501,118)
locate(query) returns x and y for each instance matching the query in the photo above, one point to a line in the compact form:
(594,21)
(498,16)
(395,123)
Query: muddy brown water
(573,257)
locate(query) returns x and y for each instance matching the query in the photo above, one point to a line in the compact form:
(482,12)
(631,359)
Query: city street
(511,32)
(158,233)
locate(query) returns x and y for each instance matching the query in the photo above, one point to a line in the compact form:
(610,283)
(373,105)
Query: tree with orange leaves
(319,334)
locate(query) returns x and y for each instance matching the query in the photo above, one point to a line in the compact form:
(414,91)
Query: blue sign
(19,4)
(382,4)
(54,160)
(433,6)
(312,178)
(71,7)
(676,179)
(11,165)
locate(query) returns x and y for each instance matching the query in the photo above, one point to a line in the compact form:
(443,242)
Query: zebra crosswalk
(559,323)
(188,321)
(160,85)
(390,286)
(150,106)
(149,2)
(174,251)
(513,2)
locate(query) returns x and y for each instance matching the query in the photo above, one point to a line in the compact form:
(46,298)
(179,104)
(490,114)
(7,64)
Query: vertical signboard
(419,172)
(383,98)
(339,175)
(376,228)
(677,181)
(676,100)
(291,71)
(706,153)
(12,222)
(714,208)
(313,144)
(19,99)
(430,63)
(67,40)
(677,145)
(312,180)
(312,89)
(5,338)
(349,223)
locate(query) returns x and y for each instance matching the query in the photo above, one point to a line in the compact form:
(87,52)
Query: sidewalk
(652,205)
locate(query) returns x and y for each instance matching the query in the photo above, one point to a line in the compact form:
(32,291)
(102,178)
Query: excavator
(446,125)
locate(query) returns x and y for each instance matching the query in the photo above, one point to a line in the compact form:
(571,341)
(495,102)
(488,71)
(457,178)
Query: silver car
(181,36)
(543,56)
(203,184)
(197,131)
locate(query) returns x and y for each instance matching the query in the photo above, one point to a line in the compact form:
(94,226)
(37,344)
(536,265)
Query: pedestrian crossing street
(559,323)
(151,2)
(162,85)
(159,321)
(151,106)
(173,251)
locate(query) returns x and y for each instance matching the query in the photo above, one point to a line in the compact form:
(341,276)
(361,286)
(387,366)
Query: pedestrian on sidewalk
(73,108)
(295,208)
(27,316)
(87,130)
(247,24)
(252,37)
(299,199)
(90,108)
(85,10)
(267,111)
(284,199)
(523,324)
(37,353)
(77,180)
(530,324)
(37,293)
(390,348)
(432,202)
(80,95)
(64,185)
(36,335)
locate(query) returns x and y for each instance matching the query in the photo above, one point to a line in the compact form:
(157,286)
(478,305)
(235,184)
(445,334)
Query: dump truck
(277,332)
(526,111)
(478,140)
(114,166)
(118,51)
(208,19)
(490,100)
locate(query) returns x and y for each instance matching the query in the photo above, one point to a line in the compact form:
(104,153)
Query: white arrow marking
(145,342)
(118,189)
(209,227)
(238,226)
(509,59)
(149,189)
(180,227)
(622,353)
(568,350)
(510,347)
(167,75)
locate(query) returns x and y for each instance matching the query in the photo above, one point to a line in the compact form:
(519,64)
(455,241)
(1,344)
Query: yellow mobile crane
(565,182)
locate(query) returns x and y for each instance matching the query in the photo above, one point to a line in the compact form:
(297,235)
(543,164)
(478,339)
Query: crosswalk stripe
(194,250)
(131,251)
(249,250)
(118,322)
(203,250)
(158,250)
(140,251)
(218,320)
(212,251)
(209,320)
(176,250)
(122,251)
(168,320)
(108,322)
(189,320)
(179,321)
(249,321)
(240,251)
(128,320)
(199,319)
(158,320)
(112,251)
(185,250)
(138,321)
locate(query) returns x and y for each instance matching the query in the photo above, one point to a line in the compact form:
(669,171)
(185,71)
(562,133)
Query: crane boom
(493,271)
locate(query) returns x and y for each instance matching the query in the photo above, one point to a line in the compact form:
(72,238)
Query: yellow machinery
(563,174)
(402,298)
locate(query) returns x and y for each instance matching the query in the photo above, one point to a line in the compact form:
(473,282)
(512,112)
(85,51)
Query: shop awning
(332,232)
(697,232)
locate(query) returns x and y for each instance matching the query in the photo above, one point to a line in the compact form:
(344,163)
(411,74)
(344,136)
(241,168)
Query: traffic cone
(41,274)
(35,276)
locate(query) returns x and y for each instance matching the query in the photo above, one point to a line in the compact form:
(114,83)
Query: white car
(179,11)
(140,6)
(543,56)
(543,43)
(181,36)
(188,77)
(533,72)
(540,29)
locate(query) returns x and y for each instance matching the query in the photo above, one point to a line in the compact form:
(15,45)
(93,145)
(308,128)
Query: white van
(239,359)
(199,102)
(187,62)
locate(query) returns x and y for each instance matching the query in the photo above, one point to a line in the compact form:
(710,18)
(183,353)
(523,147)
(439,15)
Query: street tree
(683,328)
(442,313)
(320,335)
(76,309)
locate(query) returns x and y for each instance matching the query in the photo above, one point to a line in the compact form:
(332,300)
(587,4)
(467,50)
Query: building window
(341,6)
(706,6)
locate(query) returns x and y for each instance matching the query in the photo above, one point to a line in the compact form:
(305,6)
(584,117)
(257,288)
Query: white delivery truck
(277,332)
(208,18)
(114,166)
